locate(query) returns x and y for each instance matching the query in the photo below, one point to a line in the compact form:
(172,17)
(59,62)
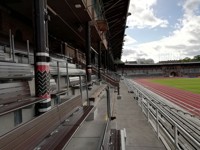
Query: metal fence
(172,132)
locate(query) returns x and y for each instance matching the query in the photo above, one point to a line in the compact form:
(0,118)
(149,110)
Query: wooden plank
(58,140)
(115,142)
(15,67)
(14,64)
(69,106)
(77,116)
(27,130)
(18,105)
(12,84)
(9,70)
(12,92)
(97,93)
(66,130)
(15,71)
(15,77)
(38,133)
(30,134)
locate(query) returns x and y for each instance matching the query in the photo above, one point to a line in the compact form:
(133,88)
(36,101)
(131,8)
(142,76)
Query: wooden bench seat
(107,77)
(110,80)
(14,96)
(5,109)
(96,93)
(115,139)
(2,54)
(9,70)
(54,90)
(66,130)
(56,94)
(53,128)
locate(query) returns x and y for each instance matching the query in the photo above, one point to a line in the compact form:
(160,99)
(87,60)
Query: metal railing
(169,130)
(67,76)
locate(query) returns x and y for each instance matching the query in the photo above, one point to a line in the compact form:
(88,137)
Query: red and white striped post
(42,69)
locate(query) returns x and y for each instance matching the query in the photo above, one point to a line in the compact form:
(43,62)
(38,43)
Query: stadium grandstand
(60,88)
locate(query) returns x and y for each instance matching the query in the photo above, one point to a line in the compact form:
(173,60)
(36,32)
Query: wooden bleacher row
(52,133)
(74,55)
(72,68)
(9,70)
(51,130)
(56,129)
(17,70)
(107,78)
(16,95)
(97,93)
(15,92)
(110,80)
(112,138)
(2,54)
(117,139)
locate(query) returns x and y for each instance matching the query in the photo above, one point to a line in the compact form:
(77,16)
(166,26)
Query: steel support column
(42,73)
(99,61)
(88,52)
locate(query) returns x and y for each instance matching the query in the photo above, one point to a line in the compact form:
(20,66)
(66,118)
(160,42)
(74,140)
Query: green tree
(196,58)
(186,59)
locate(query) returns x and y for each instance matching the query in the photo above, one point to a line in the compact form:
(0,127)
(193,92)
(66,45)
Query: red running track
(184,99)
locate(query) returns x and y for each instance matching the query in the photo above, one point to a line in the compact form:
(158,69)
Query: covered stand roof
(67,22)
(115,12)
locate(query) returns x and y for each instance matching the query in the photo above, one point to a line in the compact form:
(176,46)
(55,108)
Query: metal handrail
(177,127)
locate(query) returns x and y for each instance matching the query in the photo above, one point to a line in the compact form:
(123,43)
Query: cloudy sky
(162,30)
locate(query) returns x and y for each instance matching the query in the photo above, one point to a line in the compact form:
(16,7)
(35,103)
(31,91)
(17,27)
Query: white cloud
(191,7)
(129,40)
(143,15)
(182,42)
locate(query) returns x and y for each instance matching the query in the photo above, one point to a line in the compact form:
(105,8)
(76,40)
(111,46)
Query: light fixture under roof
(102,25)
(78,6)
(128,14)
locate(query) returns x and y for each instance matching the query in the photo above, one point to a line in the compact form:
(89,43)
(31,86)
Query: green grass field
(188,84)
